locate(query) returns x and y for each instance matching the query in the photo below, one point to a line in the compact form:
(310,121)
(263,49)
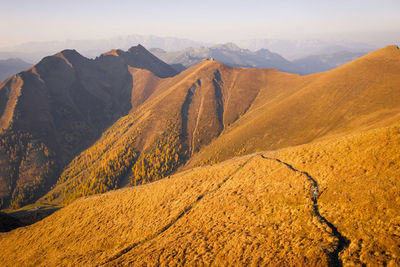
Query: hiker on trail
(315,192)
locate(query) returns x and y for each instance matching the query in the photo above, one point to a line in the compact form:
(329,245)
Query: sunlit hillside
(294,110)
(212,112)
(254,210)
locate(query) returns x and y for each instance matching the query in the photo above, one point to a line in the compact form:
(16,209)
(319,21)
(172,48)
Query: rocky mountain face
(59,107)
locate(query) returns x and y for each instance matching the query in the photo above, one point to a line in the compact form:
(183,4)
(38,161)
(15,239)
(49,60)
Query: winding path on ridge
(342,241)
(332,255)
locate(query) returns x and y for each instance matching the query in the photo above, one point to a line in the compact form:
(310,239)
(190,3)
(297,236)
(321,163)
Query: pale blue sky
(203,20)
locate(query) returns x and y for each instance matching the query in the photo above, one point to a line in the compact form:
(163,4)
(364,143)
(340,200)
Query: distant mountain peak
(69,53)
(227,46)
(157,50)
(138,48)
(264,51)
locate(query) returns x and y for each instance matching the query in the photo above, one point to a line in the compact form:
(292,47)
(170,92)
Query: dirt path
(332,255)
(342,241)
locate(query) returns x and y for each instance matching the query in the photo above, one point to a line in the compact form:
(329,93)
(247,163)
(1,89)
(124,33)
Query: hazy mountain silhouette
(320,63)
(34,51)
(234,56)
(11,66)
(229,54)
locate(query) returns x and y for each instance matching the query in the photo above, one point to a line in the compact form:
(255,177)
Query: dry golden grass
(92,229)
(262,215)
(245,211)
(359,180)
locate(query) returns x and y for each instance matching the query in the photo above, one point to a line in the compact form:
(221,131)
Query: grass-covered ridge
(248,210)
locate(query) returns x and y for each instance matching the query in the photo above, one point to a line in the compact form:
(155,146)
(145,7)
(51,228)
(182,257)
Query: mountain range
(235,56)
(227,165)
(57,108)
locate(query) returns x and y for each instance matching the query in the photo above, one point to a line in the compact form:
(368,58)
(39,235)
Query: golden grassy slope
(244,211)
(213,112)
(92,229)
(170,117)
(226,214)
(359,179)
(291,109)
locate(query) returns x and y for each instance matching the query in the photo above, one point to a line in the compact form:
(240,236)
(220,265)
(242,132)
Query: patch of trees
(97,170)
(28,165)
(162,159)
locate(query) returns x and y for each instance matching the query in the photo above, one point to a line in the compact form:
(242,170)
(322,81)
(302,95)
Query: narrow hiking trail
(333,256)
(342,241)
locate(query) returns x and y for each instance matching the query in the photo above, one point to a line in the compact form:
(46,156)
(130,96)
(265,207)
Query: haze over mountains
(11,66)
(74,127)
(234,56)
(229,54)
(179,48)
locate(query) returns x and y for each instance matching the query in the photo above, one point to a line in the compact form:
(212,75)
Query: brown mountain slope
(250,210)
(52,111)
(212,112)
(179,116)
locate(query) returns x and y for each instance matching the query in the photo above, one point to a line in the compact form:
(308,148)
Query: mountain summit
(57,108)
(140,57)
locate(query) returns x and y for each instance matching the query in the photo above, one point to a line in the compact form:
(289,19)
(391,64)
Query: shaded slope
(140,57)
(52,111)
(161,132)
(243,211)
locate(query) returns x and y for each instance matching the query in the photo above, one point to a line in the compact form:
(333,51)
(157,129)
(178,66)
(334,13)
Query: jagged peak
(138,48)
(69,53)
(70,56)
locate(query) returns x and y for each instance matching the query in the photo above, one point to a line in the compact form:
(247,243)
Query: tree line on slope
(28,158)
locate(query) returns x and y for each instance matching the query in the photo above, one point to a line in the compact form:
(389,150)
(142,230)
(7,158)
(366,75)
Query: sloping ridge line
(184,212)
(333,256)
